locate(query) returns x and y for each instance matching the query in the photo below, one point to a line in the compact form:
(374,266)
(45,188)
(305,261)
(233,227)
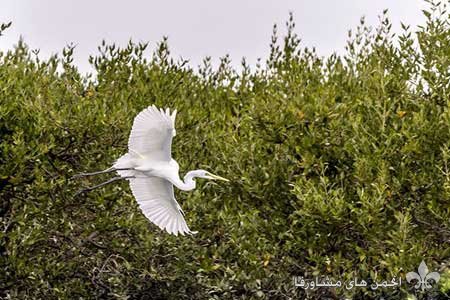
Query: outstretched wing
(157,201)
(152,133)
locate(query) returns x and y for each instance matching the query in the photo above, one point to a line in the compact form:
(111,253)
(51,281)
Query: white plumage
(157,201)
(150,142)
(152,132)
(152,172)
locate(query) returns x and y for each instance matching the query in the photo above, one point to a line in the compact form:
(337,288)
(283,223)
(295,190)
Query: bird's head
(207,175)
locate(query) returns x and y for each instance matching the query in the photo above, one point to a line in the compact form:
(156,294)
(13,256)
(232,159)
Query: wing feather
(152,133)
(157,201)
(151,138)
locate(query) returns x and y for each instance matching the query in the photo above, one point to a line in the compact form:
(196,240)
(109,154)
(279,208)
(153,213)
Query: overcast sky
(195,28)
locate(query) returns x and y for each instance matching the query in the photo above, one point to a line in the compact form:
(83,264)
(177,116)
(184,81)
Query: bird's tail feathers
(125,161)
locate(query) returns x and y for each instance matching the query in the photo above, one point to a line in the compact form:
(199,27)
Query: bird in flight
(152,172)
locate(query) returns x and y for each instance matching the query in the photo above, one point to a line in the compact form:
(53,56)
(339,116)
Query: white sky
(195,28)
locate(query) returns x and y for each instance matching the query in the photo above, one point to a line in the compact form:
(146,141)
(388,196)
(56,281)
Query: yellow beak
(216,177)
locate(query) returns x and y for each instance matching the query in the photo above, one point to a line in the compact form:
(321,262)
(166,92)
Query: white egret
(152,172)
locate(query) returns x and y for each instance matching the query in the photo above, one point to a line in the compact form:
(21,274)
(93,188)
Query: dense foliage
(339,167)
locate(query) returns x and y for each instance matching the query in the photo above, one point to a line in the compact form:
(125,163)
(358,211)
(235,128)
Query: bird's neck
(188,184)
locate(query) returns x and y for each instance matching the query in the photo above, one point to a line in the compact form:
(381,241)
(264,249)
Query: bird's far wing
(152,133)
(157,201)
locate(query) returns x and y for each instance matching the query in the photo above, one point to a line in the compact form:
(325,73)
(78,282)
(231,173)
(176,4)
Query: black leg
(100,172)
(102,184)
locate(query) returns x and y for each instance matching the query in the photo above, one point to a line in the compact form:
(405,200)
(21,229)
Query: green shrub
(338,167)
